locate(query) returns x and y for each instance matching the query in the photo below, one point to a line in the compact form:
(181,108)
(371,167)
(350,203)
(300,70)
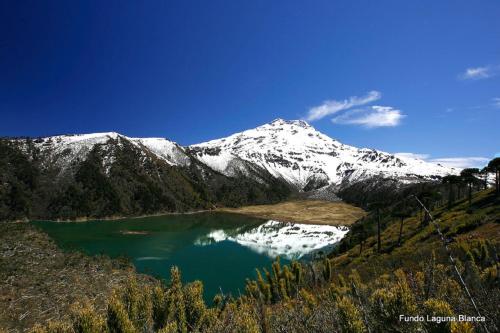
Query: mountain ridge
(309,159)
(106,175)
(292,150)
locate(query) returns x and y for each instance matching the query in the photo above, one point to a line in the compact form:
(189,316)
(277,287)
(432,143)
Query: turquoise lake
(220,249)
(154,244)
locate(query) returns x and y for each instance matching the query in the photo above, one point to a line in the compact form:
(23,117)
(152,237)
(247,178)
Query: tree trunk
(497,172)
(450,195)
(400,231)
(470,195)
(379,243)
(425,220)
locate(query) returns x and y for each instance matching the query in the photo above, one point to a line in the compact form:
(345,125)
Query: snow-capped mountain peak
(282,122)
(291,150)
(306,158)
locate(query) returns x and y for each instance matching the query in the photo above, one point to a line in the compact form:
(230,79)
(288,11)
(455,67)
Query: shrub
(349,316)
(437,308)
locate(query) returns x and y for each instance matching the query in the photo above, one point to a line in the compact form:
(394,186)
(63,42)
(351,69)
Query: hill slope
(109,175)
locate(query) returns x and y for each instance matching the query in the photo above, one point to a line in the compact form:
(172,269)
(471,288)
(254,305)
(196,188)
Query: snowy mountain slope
(289,150)
(65,151)
(108,174)
(167,150)
(307,159)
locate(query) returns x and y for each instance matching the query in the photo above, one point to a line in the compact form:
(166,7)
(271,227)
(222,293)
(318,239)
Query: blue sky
(418,77)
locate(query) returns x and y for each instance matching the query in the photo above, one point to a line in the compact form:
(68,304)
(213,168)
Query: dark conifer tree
(377,208)
(402,212)
(484,172)
(468,176)
(494,166)
(448,180)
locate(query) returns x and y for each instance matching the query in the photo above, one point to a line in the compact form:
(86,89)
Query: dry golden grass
(304,211)
(39,282)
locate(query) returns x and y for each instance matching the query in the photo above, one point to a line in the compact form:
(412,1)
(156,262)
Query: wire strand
(452,260)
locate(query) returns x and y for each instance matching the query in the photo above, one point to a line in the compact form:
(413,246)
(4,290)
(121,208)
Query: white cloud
(373,116)
(477,73)
(452,162)
(496,102)
(332,106)
(412,155)
(461,162)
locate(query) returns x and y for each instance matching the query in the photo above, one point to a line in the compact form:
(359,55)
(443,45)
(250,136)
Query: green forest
(33,187)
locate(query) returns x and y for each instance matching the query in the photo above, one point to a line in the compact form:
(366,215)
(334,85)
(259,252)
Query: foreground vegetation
(39,282)
(304,211)
(358,289)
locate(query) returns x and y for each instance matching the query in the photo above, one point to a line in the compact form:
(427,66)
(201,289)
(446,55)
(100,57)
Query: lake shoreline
(114,217)
(315,212)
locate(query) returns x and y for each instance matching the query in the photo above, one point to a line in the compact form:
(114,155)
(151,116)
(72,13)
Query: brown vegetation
(304,211)
(38,281)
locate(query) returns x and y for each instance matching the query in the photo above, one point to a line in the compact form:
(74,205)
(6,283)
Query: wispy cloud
(496,102)
(370,117)
(452,162)
(413,155)
(478,73)
(461,162)
(331,107)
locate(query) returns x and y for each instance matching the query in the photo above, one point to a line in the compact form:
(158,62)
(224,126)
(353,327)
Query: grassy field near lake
(304,211)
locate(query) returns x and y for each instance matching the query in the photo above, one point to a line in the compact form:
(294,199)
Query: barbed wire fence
(452,260)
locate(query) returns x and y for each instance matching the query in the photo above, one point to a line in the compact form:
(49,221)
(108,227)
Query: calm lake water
(220,249)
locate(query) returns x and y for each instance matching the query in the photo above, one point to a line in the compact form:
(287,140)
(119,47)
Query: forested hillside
(131,183)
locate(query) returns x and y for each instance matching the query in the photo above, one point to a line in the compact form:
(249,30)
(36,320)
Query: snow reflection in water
(274,238)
